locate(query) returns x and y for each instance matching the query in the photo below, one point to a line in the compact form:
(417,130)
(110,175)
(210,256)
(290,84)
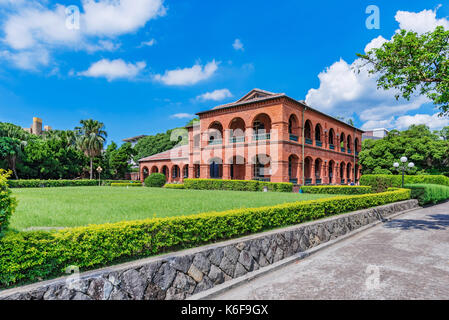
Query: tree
(429,153)
(10,150)
(414,63)
(444,133)
(150,145)
(119,160)
(90,139)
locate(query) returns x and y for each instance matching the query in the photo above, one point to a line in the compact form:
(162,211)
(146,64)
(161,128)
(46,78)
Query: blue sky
(145,66)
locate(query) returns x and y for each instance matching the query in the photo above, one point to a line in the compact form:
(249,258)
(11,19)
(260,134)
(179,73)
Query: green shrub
(236,185)
(30,256)
(174,186)
(337,189)
(35,183)
(428,193)
(155,180)
(7,202)
(121,184)
(380,182)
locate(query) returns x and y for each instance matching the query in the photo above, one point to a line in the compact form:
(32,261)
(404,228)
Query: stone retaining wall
(179,275)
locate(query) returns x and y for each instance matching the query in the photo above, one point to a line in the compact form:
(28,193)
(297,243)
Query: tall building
(36,127)
(263,136)
(375,134)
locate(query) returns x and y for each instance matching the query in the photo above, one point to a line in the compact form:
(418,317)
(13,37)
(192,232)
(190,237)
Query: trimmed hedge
(174,186)
(155,180)
(8,203)
(35,183)
(31,256)
(337,189)
(428,193)
(237,185)
(380,182)
(126,184)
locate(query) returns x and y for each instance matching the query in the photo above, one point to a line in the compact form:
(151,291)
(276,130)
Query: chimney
(36,127)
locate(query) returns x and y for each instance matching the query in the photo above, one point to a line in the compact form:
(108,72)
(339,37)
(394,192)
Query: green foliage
(414,62)
(91,137)
(30,256)
(36,183)
(425,149)
(337,189)
(381,182)
(119,160)
(12,131)
(7,202)
(174,186)
(236,185)
(155,180)
(160,142)
(10,150)
(428,193)
(115,184)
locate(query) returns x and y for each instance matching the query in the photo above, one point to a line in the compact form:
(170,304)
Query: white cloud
(112,18)
(433,121)
(148,43)
(115,69)
(343,91)
(215,95)
(188,76)
(32,26)
(375,43)
(27,60)
(182,116)
(420,22)
(238,45)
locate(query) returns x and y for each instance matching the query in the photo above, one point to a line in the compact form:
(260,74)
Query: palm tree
(90,139)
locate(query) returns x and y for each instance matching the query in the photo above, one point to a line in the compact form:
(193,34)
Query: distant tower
(36,127)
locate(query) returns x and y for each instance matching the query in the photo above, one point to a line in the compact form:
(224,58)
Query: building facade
(263,136)
(36,127)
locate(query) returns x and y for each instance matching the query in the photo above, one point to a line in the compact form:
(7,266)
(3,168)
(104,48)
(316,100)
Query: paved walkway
(406,258)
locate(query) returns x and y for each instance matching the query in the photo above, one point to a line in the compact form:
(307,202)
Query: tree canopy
(428,151)
(414,63)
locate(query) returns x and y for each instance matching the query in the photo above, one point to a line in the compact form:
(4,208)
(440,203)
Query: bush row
(380,182)
(337,189)
(7,202)
(428,193)
(30,256)
(237,185)
(34,183)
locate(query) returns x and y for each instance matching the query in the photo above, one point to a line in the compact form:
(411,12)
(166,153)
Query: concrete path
(406,258)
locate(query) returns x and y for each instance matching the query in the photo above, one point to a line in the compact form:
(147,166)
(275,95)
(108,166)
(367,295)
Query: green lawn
(78,206)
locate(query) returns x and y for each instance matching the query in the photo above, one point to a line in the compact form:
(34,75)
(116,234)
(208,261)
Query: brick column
(312,171)
(226,172)
(324,173)
(204,172)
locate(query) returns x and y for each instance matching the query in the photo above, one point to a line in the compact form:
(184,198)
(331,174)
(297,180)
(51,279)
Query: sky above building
(145,66)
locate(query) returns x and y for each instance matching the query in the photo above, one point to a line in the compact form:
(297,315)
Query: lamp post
(402,166)
(99,170)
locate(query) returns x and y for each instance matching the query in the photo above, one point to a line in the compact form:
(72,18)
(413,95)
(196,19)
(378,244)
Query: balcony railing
(308,181)
(342,149)
(318,143)
(294,181)
(309,141)
(332,147)
(293,137)
(236,139)
(215,142)
(356,153)
(349,151)
(318,181)
(261,136)
(342,181)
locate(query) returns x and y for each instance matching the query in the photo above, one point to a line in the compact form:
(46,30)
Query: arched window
(331,139)
(185,171)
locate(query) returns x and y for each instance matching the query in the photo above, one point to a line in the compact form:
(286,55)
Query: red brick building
(264,136)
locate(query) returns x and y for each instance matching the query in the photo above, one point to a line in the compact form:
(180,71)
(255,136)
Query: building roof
(134,138)
(257,95)
(175,153)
